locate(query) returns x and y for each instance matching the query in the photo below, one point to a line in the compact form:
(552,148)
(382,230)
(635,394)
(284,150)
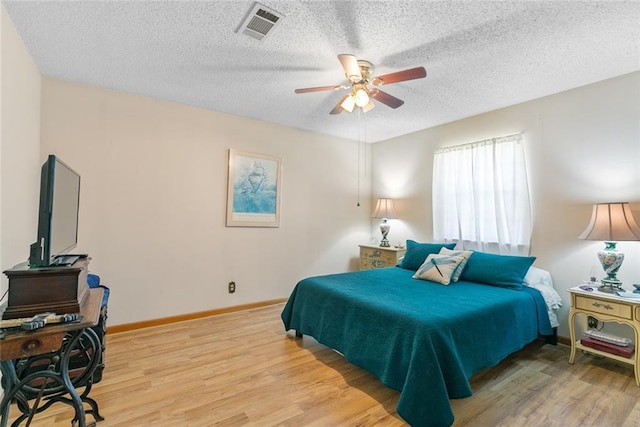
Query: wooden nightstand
(606,308)
(373,256)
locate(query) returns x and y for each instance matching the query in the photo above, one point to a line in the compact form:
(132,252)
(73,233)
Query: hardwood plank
(242,369)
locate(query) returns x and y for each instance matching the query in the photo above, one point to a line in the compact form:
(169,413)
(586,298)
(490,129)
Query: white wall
(154,187)
(583,147)
(19,148)
(153,201)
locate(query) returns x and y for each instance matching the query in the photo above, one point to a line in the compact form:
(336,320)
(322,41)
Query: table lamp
(384,210)
(611,223)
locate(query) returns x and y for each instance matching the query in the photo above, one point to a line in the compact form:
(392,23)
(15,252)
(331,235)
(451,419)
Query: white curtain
(481,196)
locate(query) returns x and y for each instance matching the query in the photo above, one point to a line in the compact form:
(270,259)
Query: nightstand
(606,308)
(373,256)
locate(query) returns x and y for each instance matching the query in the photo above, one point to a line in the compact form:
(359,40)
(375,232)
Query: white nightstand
(372,256)
(606,308)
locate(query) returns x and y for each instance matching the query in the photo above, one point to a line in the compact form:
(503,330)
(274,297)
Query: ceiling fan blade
(338,108)
(319,89)
(386,99)
(351,67)
(400,76)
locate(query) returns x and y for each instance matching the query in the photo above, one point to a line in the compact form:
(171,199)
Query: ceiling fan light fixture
(361,98)
(369,106)
(348,103)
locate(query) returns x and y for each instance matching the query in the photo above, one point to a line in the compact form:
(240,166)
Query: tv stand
(58,289)
(51,364)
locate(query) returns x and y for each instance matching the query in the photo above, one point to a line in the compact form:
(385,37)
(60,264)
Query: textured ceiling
(479,55)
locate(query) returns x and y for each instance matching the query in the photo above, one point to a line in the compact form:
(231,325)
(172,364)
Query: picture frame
(253,190)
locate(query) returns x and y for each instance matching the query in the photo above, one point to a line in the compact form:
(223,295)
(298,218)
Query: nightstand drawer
(379,257)
(623,311)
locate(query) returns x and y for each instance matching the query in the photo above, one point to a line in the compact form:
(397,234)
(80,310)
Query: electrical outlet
(592,322)
(232,287)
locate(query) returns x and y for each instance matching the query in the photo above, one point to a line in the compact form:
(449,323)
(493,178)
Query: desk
(62,339)
(606,308)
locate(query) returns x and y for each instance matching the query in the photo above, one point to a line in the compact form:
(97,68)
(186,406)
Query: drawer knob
(31,346)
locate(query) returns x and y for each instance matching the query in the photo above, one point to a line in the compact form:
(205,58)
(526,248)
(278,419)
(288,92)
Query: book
(626,294)
(609,348)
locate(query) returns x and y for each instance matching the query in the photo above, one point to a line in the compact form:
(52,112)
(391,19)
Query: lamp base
(384,229)
(611,260)
(610,286)
(609,289)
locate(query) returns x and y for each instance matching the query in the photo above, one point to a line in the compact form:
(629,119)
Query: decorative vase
(384,229)
(611,260)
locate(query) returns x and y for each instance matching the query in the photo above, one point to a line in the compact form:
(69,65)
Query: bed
(424,338)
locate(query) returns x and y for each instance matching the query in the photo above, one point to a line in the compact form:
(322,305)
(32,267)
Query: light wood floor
(242,369)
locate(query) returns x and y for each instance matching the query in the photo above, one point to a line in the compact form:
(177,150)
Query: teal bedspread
(421,338)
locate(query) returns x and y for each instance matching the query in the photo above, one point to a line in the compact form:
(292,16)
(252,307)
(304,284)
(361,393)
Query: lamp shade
(348,103)
(611,222)
(361,98)
(384,209)
(369,106)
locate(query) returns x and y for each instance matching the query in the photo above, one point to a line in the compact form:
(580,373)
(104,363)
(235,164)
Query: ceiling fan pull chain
(359,163)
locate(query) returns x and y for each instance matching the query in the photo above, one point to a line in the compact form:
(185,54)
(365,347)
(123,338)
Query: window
(481,196)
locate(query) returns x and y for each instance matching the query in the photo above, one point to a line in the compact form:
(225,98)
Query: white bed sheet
(541,280)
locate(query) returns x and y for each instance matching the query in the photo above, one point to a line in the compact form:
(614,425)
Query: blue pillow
(93,280)
(507,271)
(417,253)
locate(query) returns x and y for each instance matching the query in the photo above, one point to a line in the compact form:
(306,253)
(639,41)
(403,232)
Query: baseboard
(126,327)
(564,340)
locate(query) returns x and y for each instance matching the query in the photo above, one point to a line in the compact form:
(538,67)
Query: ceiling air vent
(259,22)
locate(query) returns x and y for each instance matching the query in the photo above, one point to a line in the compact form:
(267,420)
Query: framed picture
(253,194)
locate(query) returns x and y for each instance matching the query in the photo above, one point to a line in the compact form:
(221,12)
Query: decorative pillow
(458,270)
(538,276)
(417,253)
(507,271)
(438,268)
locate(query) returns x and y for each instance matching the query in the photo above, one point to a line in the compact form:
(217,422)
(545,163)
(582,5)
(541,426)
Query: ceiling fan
(359,75)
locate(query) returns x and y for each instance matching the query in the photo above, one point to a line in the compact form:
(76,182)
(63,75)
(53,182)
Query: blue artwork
(255,186)
(253,196)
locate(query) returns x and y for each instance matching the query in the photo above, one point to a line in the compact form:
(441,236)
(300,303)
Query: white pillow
(458,270)
(438,268)
(538,276)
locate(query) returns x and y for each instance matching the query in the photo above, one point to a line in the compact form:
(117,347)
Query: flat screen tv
(58,214)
